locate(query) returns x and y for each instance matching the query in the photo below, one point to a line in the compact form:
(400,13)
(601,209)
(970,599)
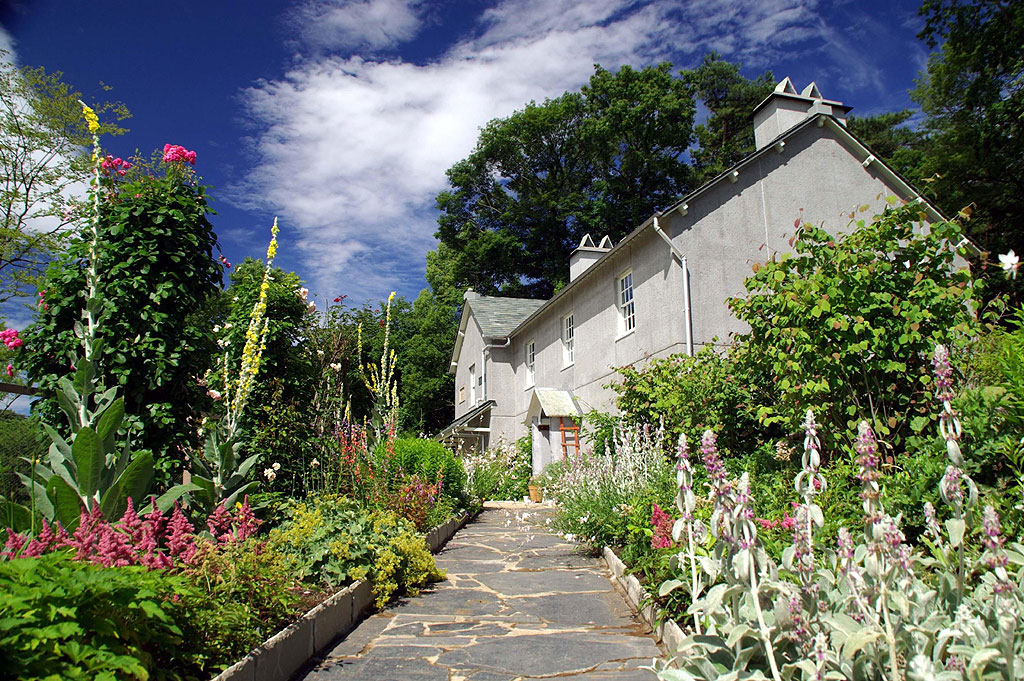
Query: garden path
(520,603)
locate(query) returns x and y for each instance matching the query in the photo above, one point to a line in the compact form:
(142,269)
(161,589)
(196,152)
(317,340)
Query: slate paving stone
(545,581)
(520,604)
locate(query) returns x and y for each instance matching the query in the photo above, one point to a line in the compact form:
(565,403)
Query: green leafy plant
(846,325)
(65,619)
(335,541)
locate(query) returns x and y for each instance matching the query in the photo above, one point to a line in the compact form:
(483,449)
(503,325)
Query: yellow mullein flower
(91,118)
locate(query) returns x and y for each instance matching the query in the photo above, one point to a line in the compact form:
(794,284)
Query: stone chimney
(586,254)
(785,108)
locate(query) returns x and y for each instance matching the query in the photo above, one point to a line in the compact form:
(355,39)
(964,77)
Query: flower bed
(293,647)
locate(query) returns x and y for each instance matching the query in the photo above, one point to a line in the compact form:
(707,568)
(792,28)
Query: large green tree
(600,160)
(727,134)
(973,98)
(42,134)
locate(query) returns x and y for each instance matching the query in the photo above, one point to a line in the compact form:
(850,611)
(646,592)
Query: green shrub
(20,439)
(428,459)
(689,395)
(847,326)
(64,619)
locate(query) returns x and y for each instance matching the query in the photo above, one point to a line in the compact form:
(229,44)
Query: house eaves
(858,148)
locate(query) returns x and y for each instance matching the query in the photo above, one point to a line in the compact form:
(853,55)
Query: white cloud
(374,24)
(7,45)
(352,151)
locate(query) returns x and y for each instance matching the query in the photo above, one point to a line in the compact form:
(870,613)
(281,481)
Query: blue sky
(340,117)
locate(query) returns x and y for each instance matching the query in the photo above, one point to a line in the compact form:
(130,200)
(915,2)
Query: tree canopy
(599,160)
(973,97)
(42,134)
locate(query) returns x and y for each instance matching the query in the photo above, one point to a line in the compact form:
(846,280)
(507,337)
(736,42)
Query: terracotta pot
(536,494)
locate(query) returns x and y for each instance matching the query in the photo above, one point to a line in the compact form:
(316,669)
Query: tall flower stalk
(379,379)
(218,476)
(238,389)
(686,502)
(951,488)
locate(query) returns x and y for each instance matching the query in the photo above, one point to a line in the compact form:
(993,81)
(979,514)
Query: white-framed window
(627,310)
(568,340)
(472,385)
(531,359)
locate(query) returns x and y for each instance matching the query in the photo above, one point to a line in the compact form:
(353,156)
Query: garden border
(665,631)
(291,649)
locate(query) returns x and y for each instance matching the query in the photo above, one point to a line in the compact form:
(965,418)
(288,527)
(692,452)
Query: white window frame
(531,363)
(472,385)
(568,340)
(625,301)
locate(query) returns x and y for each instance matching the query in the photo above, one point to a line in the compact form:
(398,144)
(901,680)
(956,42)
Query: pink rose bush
(10,339)
(175,153)
(114,166)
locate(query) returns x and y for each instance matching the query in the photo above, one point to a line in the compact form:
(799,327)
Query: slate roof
(497,317)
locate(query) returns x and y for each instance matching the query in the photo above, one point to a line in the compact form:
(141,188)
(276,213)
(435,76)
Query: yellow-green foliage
(334,541)
(403,562)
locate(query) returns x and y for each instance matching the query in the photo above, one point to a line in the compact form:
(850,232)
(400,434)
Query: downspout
(687,319)
(485,352)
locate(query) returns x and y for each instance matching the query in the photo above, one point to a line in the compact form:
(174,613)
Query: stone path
(519,603)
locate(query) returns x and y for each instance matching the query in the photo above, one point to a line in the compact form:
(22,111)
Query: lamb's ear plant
(874,608)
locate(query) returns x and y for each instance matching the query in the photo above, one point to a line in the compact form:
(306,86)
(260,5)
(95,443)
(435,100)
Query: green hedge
(428,458)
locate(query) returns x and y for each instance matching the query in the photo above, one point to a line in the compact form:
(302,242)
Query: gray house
(537,365)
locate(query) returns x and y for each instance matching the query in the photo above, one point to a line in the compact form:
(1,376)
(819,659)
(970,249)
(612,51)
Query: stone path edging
(667,632)
(291,649)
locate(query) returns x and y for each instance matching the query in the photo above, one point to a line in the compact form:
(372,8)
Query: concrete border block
(672,637)
(285,652)
(634,591)
(617,567)
(243,670)
(331,619)
(362,599)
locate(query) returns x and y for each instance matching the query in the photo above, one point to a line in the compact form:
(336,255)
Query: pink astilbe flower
(85,537)
(131,524)
(41,544)
(219,523)
(174,153)
(113,548)
(13,544)
(246,521)
(155,520)
(662,524)
(181,539)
